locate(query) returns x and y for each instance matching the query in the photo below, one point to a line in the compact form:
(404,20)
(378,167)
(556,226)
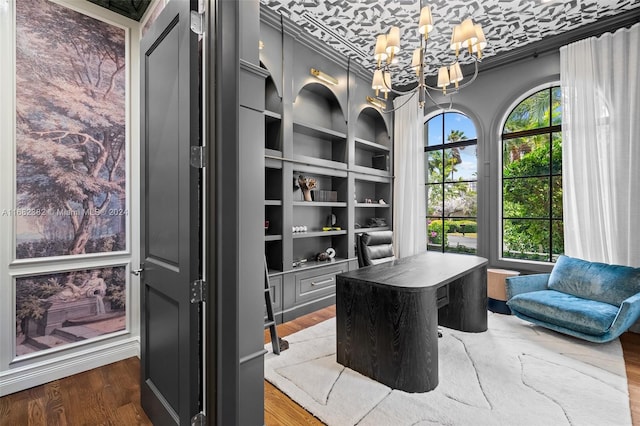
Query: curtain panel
(600,80)
(409,206)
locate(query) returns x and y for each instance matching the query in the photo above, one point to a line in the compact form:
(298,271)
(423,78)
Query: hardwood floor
(110,395)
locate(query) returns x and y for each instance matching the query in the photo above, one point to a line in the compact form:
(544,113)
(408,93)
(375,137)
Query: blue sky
(455,121)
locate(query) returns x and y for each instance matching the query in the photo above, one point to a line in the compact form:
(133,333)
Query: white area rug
(513,374)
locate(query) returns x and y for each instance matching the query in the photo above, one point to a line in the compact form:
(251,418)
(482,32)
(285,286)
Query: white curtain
(601,147)
(409,205)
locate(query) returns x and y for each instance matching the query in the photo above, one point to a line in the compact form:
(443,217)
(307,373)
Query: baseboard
(36,374)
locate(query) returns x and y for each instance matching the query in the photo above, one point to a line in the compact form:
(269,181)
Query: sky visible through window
(467,169)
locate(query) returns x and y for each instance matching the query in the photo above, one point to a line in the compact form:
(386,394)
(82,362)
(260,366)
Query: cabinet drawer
(317,283)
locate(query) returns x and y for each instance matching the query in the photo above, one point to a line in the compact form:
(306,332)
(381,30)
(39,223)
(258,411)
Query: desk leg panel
(467,307)
(389,335)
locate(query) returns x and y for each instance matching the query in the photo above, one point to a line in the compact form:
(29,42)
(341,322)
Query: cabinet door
(275,292)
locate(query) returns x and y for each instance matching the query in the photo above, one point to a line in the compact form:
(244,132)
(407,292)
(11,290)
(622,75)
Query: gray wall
(487,102)
(236,385)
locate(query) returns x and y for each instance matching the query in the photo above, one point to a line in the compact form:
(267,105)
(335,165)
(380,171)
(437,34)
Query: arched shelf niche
(319,127)
(372,141)
(272,116)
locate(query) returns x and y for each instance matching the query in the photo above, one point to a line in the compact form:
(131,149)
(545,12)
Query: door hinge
(198,291)
(197,22)
(199,419)
(198,157)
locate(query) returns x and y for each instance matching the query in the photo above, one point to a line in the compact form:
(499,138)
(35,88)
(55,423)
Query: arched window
(451,166)
(532,179)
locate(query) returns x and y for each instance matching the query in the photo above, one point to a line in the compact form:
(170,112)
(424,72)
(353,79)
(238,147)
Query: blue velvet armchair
(593,301)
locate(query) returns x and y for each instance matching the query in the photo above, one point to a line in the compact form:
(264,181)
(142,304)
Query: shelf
(363,177)
(272,202)
(274,273)
(371,171)
(319,170)
(319,162)
(311,264)
(317,131)
(361,230)
(370,146)
(318,234)
(269,237)
(319,204)
(373,205)
(273,153)
(272,115)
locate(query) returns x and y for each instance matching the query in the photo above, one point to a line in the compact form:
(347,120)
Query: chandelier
(465,37)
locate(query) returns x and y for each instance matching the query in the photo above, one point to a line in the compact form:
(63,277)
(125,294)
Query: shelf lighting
(379,103)
(324,77)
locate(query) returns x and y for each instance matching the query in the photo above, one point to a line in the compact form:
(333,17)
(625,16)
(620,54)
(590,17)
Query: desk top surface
(429,269)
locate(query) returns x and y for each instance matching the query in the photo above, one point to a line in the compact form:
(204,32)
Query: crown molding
(271,18)
(554,43)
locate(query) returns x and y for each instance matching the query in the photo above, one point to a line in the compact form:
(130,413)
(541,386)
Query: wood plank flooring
(110,395)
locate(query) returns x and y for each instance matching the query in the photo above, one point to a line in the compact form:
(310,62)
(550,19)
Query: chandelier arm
(475,75)
(387,111)
(438,104)
(394,91)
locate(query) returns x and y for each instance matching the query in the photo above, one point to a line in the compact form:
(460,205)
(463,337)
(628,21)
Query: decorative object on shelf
(306,185)
(380,162)
(331,220)
(377,222)
(368,201)
(298,262)
(465,36)
(326,256)
(324,195)
(321,257)
(266,225)
(324,76)
(381,201)
(299,229)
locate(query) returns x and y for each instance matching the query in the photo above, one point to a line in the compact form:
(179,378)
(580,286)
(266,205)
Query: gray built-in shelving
(328,133)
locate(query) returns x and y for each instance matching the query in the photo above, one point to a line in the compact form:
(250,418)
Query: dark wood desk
(387,315)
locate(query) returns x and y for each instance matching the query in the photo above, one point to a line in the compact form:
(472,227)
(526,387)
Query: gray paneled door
(171,364)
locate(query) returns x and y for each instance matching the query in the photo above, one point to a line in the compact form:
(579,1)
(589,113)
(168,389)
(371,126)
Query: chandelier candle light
(465,36)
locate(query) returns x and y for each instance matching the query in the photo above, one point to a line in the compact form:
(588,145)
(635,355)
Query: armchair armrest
(525,284)
(627,315)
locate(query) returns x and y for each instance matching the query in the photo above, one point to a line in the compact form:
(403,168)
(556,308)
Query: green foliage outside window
(532,180)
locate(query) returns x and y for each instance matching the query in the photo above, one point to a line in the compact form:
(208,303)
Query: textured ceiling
(350,27)
(133,9)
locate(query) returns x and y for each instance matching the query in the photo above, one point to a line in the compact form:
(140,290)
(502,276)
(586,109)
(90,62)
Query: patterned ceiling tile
(350,26)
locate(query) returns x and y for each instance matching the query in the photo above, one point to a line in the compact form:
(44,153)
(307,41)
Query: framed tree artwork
(71,133)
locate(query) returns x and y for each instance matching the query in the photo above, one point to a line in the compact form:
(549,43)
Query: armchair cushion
(565,310)
(596,281)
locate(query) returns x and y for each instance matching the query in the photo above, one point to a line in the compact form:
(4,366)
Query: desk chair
(374,247)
